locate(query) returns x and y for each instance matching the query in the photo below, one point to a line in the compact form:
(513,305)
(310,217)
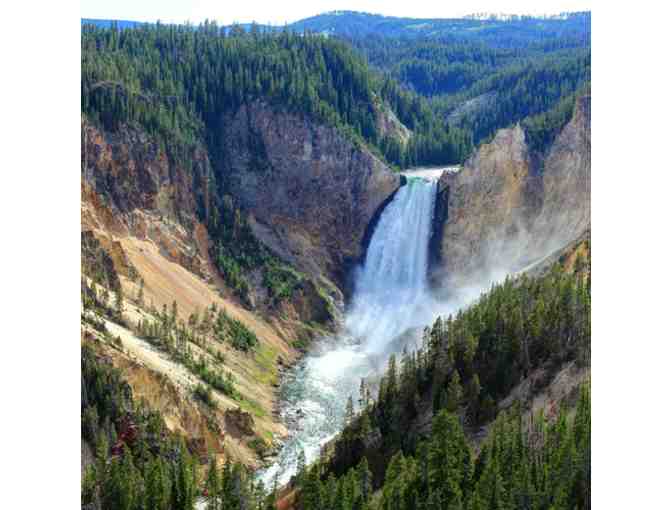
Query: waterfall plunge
(391,297)
(391,287)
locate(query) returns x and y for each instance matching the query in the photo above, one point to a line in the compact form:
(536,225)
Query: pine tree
(102,449)
(363,402)
(473,395)
(446,460)
(157,486)
(173,313)
(300,467)
(119,303)
(454,393)
(310,490)
(183,493)
(121,488)
(212,485)
(349,412)
(364,477)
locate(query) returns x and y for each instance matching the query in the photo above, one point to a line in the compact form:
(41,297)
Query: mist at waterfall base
(391,304)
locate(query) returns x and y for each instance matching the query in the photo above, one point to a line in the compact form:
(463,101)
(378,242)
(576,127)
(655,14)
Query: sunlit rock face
(508,206)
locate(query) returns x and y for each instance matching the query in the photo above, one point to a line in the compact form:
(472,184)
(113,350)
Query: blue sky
(279,11)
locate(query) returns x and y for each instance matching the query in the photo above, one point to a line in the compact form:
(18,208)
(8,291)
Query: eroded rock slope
(508,206)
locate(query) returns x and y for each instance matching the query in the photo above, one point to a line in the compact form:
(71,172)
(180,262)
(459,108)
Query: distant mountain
(106,23)
(496,29)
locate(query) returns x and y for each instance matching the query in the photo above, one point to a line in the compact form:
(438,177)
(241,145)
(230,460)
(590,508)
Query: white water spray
(391,288)
(391,296)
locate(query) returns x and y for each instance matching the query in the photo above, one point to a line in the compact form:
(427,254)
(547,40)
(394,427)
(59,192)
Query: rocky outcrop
(472,108)
(309,190)
(388,124)
(572,257)
(508,207)
(487,205)
(130,170)
(131,187)
(309,305)
(239,422)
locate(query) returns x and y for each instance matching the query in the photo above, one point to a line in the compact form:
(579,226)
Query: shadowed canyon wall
(311,192)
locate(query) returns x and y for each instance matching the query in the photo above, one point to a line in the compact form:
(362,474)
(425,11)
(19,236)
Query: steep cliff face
(132,171)
(130,187)
(487,205)
(309,190)
(565,213)
(508,206)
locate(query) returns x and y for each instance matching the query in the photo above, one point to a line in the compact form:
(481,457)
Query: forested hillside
(533,463)
(482,87)
(177,81)
(467,365)
(519,91)
(479,75)
(434,65)
(483,73)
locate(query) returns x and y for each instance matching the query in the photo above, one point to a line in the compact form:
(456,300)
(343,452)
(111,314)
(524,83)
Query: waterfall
(390,297)
(391,288)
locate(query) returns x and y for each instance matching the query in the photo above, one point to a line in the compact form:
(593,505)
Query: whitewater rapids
(391,297)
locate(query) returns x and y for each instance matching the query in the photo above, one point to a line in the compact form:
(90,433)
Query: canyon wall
(508,206)
(311,192)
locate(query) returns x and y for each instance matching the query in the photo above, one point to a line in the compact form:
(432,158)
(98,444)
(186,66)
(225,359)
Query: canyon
(314,199)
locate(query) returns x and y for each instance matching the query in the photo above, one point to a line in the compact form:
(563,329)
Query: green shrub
(234,332)
(204,394)
(258,445)
(280,281)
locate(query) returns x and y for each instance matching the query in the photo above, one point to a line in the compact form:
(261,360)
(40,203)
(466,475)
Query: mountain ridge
(363,23)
